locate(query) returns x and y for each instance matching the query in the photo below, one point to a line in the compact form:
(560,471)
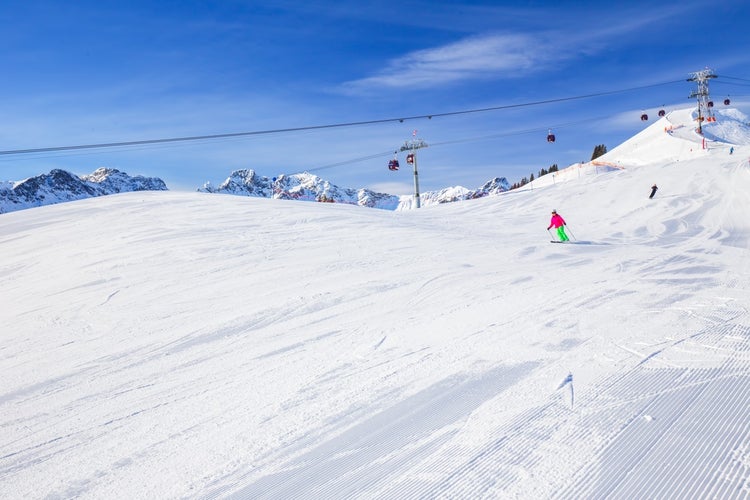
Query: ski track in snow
(705,407)
(371,453)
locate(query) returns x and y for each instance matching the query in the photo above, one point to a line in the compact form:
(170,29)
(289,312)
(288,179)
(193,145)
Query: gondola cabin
(726,102)
(644,117)
(393,165)
(662,112)
(410,158)
(550,137)
(710,104)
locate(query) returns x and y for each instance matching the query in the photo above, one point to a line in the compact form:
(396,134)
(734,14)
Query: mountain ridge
(59,186)
(309,187)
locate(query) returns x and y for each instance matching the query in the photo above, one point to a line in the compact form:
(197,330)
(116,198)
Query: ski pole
(550,233)
(571,232)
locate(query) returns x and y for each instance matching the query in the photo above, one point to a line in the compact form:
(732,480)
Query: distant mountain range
(309,187)
(60,186)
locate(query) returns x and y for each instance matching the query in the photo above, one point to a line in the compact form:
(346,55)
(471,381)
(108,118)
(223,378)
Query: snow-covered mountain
(304,186)
(309,187)
(60,186)
(671,139)
(186,345)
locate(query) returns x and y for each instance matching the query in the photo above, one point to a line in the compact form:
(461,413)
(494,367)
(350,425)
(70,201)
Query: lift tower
(411,159)
(704,103)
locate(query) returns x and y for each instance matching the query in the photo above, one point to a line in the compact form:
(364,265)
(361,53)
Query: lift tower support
(704,110)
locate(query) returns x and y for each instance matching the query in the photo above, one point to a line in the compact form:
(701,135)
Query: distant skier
(731,150)
(653,191)
(558,222)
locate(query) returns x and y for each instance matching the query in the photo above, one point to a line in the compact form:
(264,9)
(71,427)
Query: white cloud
(471,58)
(505,55)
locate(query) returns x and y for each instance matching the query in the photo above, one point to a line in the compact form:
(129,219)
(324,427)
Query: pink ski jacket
(556,221)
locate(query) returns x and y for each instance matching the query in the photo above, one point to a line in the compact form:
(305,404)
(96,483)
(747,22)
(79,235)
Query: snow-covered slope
(672,138)
(185,345)
(60,186)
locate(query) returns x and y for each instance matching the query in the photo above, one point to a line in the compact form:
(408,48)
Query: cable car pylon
(702,95)
(412,146)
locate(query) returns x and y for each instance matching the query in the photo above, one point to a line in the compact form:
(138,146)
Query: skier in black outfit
(653,191)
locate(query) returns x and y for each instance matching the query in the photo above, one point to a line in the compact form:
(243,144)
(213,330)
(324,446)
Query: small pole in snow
(571,392)
(568,381)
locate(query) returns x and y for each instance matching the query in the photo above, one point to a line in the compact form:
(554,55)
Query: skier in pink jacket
(558,222)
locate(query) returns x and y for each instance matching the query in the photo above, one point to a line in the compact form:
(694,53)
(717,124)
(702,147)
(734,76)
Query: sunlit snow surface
(172,345)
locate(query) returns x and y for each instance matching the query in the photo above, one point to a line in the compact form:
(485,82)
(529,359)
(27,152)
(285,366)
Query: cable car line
(88,152)
(347,162)
(519,132)
(459,141)
(734,78)
(320,127)
(733,83)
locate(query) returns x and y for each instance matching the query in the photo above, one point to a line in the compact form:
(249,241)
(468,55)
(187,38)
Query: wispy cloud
(512,54)
(471,58)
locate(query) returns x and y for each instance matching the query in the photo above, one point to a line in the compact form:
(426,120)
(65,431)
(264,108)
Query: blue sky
(92,72)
